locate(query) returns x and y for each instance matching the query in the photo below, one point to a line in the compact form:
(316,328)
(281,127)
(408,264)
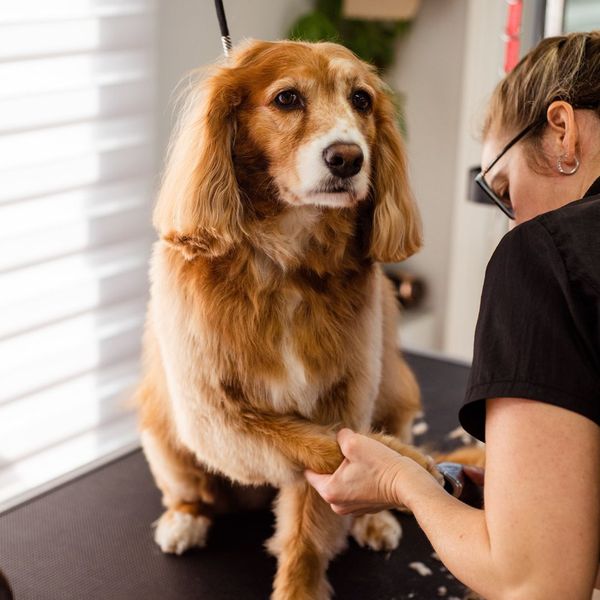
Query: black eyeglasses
(504,204)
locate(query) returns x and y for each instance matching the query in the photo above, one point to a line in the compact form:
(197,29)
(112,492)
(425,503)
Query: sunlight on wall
(76,186)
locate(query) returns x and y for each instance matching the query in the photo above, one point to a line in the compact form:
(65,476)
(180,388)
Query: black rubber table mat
(91,538)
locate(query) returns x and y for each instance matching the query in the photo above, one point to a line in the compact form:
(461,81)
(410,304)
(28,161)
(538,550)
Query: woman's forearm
(457,532)
(460,536)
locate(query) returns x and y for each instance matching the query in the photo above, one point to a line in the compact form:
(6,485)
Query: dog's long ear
(396,232)
(199,210)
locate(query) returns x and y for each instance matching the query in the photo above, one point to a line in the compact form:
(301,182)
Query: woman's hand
(371,478)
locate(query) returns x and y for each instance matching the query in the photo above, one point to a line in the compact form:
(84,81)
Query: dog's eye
(288,99)
(361,100)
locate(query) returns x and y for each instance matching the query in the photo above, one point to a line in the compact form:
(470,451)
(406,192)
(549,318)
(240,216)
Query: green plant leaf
(373,41)
(330,8)
(314,27)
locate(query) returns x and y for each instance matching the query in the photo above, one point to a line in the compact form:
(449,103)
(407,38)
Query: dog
(270,323)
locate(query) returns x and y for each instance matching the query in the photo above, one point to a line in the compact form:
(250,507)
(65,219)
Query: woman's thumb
(317,480)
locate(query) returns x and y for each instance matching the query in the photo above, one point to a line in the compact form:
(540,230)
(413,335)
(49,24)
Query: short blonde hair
(565,67)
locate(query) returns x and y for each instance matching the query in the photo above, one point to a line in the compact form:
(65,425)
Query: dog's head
(287,123)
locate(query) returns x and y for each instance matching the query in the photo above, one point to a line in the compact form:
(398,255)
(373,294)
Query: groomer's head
(552,97)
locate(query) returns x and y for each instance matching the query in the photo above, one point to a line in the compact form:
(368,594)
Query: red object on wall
(513,34)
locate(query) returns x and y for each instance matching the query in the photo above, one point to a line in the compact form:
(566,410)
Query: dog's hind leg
(399,398)
(308,535)
(187,494)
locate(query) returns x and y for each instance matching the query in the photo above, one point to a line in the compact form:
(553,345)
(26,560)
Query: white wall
(429,71)
(448,65)
(476,229)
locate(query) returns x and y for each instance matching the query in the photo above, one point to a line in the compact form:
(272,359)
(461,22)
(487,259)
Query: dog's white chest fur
(294,391)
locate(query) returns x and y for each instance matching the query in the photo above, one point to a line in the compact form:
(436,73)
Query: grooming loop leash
(225,38)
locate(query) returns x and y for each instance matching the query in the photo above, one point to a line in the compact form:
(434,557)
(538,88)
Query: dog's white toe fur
(380,531)
(177,531)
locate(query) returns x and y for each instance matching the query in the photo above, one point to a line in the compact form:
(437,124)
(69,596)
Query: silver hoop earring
(573,170)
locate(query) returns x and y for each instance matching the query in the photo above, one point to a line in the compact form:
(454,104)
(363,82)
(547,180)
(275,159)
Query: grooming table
(91,539)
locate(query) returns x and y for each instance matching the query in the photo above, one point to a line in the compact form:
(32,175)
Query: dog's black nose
(343,160)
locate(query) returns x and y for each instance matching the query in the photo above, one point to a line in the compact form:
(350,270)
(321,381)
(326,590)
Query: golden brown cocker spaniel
(270,323)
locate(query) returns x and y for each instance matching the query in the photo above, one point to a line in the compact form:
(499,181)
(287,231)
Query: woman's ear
(396,232)
(563,126)
(199,210)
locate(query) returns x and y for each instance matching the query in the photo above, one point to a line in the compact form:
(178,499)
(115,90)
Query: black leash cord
(225,39)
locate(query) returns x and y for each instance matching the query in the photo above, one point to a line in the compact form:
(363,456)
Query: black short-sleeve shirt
(538,331)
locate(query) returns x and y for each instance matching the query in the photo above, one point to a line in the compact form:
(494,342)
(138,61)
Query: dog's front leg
(312,446)
(308,535)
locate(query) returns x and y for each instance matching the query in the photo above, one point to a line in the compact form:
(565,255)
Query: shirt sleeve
(527,344)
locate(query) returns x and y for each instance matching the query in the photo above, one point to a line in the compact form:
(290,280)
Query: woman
(534,389)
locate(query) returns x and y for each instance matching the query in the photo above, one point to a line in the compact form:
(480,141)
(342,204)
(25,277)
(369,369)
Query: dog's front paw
(178,531)
(322,455)
(379,531)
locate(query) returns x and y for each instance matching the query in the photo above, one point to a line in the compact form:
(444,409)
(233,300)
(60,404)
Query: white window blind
(77,170)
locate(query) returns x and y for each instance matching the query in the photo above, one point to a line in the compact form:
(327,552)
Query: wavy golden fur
(270,323)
